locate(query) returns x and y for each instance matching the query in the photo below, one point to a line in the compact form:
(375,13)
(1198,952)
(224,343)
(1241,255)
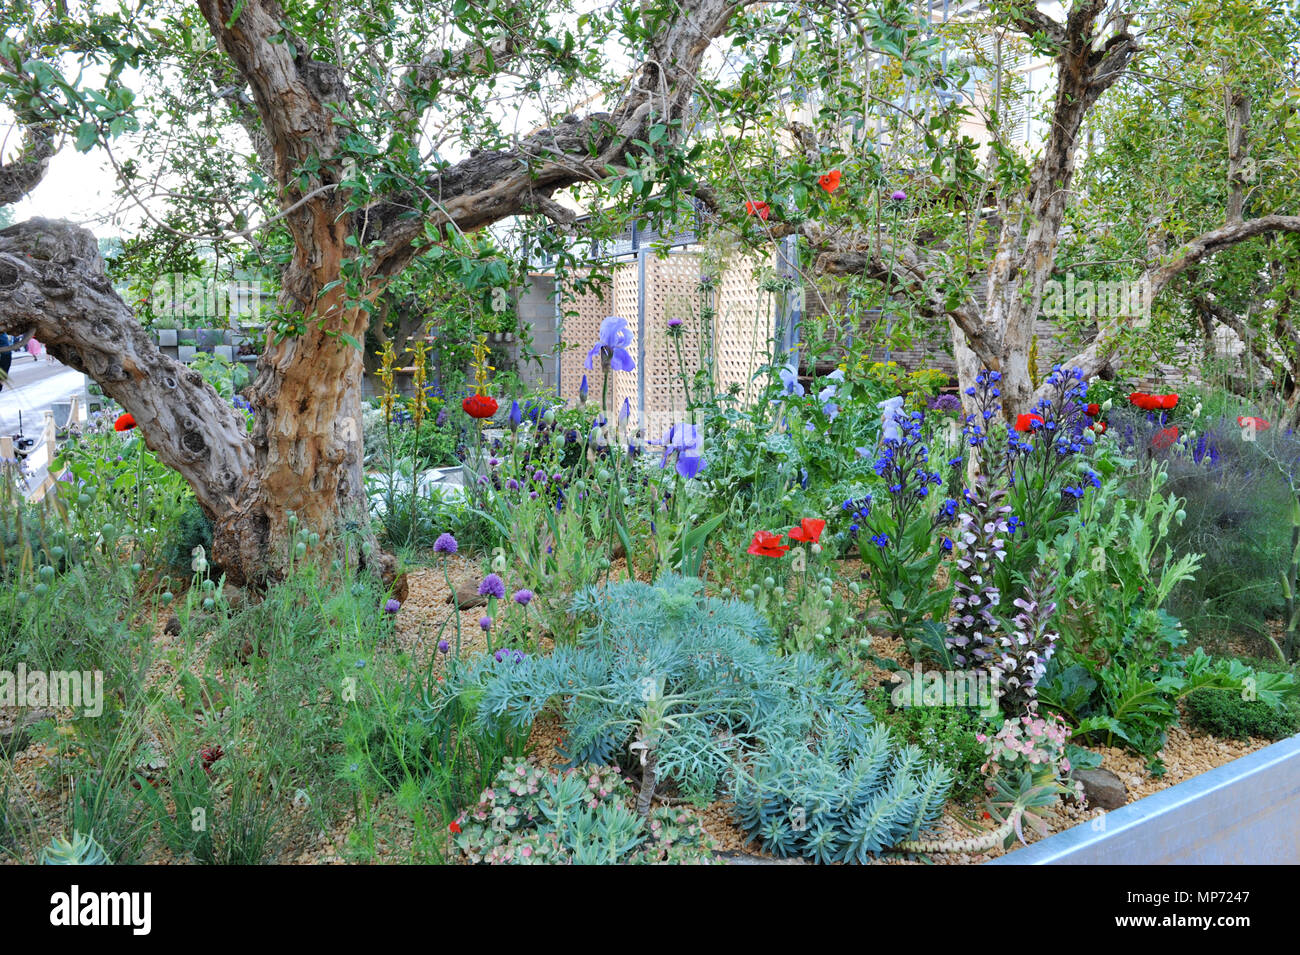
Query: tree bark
(52,282)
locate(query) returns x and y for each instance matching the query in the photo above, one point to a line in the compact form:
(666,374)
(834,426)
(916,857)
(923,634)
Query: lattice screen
(579,333)
(743,325)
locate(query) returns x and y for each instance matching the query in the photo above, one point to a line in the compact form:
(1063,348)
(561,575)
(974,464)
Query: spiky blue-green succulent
(697,680)
(82,849)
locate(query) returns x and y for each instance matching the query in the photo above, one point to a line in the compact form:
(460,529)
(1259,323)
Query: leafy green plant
(532,816)
(1224,712)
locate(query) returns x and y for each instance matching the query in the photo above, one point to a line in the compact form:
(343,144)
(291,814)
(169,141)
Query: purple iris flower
(790,382)
(582,388)
(612,344)
(689,465)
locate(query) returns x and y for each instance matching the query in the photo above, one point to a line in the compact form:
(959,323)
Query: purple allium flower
(445,544)
(393,605)
(523,597)
(612,344)
(485,623)
(512,485)
(945,403)
(899,195)
(539,476)
(493,462)
(443,646)
(492,586)
(532,495)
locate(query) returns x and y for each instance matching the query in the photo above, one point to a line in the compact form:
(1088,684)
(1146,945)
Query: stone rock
(233,597)
(1103,788)
(173,626)
(467,595)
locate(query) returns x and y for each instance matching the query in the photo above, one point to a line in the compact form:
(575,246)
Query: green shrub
(193,529)
(1226,713)
(946,734)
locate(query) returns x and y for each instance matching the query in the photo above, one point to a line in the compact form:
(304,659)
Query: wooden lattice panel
(741,333)
(744,327)
(623,384)
(579,332)
(672,291)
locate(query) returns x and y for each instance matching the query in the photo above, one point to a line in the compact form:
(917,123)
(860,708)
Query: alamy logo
(945,688)
(76,689)
(1089,299)
(103,908)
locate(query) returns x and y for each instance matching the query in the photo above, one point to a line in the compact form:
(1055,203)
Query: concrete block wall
(535,303)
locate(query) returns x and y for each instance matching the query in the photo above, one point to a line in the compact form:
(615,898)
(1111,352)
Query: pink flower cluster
(1027,743)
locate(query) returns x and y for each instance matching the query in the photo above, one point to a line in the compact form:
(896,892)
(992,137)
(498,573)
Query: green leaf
(87,135)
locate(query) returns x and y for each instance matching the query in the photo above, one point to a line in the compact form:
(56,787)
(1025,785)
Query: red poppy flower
(480,406)
(1144,401)
(760,209)
(1250,421)
(809,530)
(125,423)
(455,826)
(1093,410)
(829,181)
(1028,422)
(1166,402)
(766,544)
(1165,437)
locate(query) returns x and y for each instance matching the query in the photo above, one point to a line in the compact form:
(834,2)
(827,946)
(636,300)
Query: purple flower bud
(443,646)
(485,623)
